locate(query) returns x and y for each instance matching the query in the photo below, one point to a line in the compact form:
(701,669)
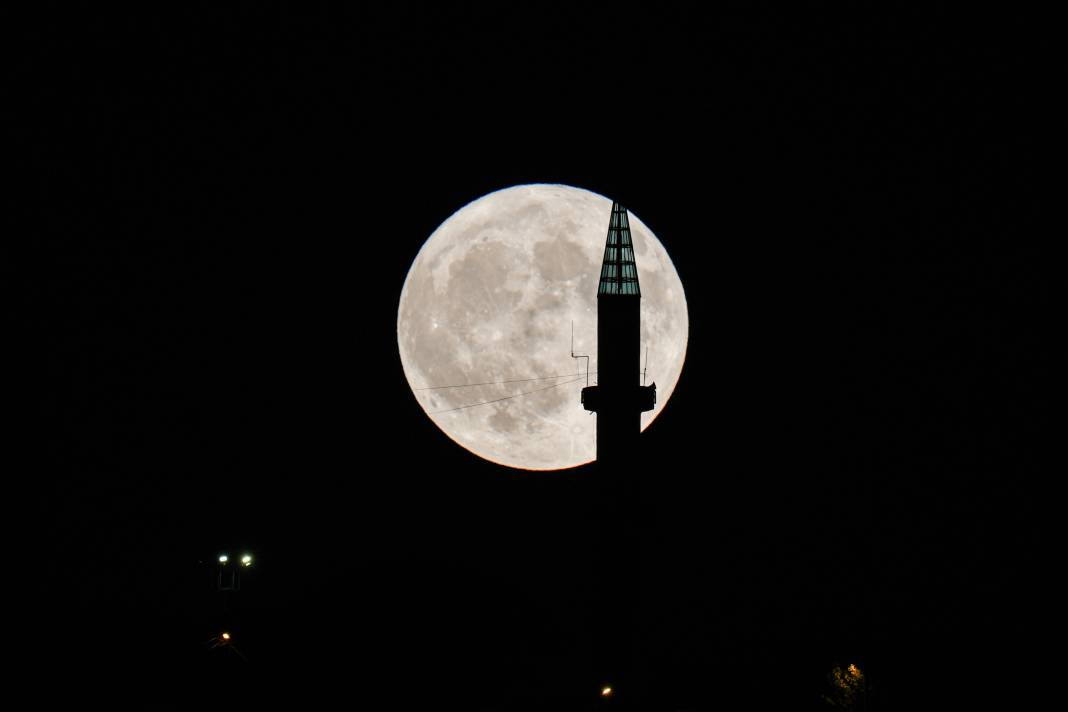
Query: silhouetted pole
(619,400)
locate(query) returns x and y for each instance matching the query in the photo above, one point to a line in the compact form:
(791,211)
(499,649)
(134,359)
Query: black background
(221,207)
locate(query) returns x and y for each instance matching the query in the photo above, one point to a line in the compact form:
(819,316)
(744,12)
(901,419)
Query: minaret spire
(619,273)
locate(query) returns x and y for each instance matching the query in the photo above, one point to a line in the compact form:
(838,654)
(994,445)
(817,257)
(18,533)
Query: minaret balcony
(635,398)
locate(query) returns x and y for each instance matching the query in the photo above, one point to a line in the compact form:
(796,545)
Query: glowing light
(606,691)
(225,636)
(246,560)
(848,686)
(223,558)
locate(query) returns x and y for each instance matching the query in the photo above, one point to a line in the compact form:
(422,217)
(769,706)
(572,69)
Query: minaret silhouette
(619,400)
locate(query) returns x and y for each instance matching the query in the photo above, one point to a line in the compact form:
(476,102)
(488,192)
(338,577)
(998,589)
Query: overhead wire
(514,395)
(497,383)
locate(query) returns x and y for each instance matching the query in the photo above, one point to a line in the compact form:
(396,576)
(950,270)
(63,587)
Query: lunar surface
(484,323)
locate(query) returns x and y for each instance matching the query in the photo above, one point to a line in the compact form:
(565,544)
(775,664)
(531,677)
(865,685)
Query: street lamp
(229,573)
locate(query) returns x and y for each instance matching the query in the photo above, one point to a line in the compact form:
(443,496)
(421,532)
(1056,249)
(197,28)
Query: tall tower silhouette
(619,400)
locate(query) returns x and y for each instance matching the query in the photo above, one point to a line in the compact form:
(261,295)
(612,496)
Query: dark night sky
(222,205)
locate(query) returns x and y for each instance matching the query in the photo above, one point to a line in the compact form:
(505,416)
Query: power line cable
(496,383)
(514,395)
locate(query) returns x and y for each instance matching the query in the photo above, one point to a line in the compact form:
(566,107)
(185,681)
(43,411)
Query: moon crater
(561,260)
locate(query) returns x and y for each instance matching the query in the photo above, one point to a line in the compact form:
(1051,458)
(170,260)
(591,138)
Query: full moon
(485,320)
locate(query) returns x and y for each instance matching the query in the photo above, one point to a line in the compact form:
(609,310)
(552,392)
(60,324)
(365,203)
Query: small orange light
(606,691)
(225,636)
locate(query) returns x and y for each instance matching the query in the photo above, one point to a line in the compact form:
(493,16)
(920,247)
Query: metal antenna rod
(574,355)
(646,369)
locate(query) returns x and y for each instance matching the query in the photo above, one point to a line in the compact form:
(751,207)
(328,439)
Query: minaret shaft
(618,364)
